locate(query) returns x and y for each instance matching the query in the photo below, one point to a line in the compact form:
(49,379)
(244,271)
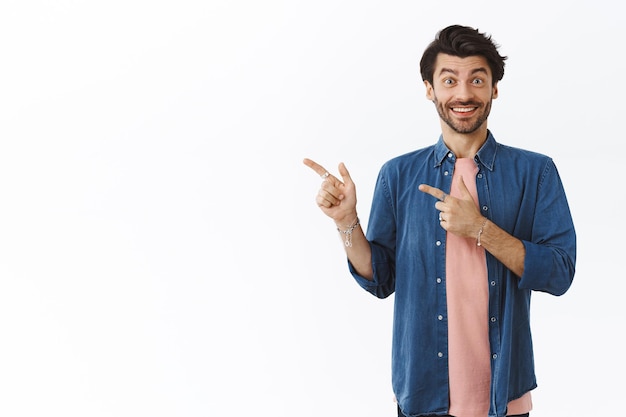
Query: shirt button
(493,283)
(494,356)
(449,154)
(480,175)
(485,208)
(438,280)
(446,173)
(440,354)
(440,317)
(493,319)
(438,243)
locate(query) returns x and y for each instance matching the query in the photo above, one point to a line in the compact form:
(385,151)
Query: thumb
(345,175)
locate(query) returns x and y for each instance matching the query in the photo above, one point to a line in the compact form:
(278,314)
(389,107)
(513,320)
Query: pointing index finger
(435,192)
(320,170)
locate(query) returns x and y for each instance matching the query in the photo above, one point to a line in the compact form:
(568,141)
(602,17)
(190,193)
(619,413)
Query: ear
(430,93)
(494,93)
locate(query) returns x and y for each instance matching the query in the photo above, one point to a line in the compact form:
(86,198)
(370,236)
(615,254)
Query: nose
(464,92)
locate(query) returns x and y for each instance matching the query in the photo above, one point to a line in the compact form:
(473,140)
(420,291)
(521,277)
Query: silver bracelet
(348,232)
(480,232)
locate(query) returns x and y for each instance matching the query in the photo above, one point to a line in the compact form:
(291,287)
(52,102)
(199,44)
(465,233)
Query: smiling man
(462,232)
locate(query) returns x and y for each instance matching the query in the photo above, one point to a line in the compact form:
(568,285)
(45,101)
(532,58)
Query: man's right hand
(336,198)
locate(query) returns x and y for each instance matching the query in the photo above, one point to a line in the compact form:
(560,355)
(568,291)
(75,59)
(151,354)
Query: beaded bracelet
(348,232)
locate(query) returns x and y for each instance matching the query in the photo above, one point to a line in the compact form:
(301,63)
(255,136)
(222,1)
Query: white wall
(161,253)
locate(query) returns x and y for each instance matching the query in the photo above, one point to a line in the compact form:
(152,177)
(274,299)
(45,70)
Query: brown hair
(462,41)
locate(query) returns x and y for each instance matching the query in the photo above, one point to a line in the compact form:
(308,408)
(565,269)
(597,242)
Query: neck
(464,145)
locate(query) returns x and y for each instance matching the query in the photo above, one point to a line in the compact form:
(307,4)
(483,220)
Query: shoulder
(522,159)
(523,163)
(410,160)
(494,153)
(521,153)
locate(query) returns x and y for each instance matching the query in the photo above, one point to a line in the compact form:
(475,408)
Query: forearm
(357,249)
(504,247)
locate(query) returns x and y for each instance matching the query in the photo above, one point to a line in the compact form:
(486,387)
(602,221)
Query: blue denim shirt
(522,193)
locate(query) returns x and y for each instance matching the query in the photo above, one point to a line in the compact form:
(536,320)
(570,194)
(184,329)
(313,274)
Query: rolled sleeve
(547,269)
(383,283)
(550,257)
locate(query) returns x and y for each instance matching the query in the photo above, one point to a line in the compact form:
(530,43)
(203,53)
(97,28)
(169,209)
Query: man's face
(462,91)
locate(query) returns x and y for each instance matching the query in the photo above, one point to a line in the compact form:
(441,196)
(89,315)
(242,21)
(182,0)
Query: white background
(161,253)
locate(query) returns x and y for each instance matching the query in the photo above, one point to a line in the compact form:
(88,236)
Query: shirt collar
(486,154)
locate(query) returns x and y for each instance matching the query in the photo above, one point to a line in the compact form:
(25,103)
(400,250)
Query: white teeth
(462,109)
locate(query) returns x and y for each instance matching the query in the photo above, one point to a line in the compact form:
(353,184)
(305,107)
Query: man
(462,232)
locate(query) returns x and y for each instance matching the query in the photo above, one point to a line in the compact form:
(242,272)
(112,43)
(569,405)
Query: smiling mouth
(463,109)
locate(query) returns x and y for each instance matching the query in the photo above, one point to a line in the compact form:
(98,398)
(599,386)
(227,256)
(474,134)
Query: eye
(477,81)
(448,81)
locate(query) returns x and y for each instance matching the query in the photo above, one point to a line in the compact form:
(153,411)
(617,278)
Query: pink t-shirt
(467,292)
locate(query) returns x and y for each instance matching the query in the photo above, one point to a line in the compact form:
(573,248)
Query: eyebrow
(454,72)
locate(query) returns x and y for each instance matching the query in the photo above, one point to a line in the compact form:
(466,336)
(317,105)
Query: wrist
(480,231)
(347,221)
(347,232)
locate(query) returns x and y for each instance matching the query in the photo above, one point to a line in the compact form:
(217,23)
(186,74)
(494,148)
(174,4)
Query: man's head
(462,41)
(461,69)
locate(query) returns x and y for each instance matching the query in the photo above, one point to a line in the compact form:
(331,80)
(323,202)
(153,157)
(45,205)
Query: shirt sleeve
(550,259)
(383,284)
(381,235)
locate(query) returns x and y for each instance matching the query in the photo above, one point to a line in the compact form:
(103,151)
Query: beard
(464,126)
